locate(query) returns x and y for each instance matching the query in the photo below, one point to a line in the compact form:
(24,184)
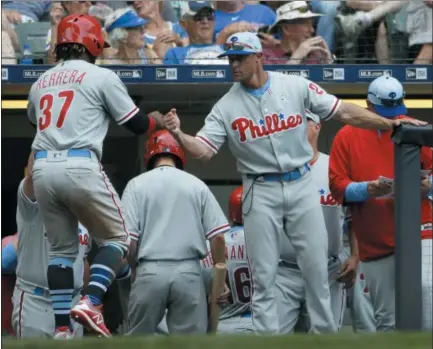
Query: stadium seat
(35,35)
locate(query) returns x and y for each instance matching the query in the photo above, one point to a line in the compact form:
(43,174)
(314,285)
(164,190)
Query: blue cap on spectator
(244,43)
(129,19)
(196,6)
(387,96)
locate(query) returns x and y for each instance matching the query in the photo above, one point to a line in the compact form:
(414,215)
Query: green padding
(340,341)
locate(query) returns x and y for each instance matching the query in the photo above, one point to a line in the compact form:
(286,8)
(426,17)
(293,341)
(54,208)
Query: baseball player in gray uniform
(170,214)
(71,106)
(33,315)
(235,316)
(359,299)
(262,117)
(341,268)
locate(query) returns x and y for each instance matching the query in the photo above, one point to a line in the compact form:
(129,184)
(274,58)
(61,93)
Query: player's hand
(347,274)
(425,186)
(398,122)
(223,298)
(376,188)
(158,117)
(171,121)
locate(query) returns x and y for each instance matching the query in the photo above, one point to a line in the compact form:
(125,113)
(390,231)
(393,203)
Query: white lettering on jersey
(61,78)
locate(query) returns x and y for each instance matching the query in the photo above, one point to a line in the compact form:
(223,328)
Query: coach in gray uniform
(170,214)
(33,314)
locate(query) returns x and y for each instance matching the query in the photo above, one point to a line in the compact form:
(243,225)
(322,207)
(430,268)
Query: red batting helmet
(84,30)
(235,206)
(162,142)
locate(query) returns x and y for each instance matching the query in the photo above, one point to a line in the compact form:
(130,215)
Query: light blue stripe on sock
(62,305)
(99,276)
(61,298)
(62,292)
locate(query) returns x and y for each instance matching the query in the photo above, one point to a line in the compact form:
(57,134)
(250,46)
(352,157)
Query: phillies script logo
(326,198)
(83,237)
(269,125)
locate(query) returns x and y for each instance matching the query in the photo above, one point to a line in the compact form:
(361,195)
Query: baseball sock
(124,273)
(103,271)
(60,276)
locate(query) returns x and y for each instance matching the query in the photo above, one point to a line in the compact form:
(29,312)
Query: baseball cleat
(90,316)
(63,333)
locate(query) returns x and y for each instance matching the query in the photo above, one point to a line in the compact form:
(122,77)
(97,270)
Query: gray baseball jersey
(33,247)
(333,213)
(267,134)
(72,104)
(238,274)
(195,215)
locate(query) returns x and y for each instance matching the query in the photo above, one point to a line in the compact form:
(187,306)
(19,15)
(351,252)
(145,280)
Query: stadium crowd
(192,32)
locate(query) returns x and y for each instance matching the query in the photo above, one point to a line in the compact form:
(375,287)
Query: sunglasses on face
(202,16)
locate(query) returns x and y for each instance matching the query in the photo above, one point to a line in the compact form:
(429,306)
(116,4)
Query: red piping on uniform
(20,314)
(135,110)
(114,200)
(207,142)
(337,102)
(224,226)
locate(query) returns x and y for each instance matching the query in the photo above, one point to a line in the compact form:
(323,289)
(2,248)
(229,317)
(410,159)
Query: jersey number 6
(241,278)
(46,104)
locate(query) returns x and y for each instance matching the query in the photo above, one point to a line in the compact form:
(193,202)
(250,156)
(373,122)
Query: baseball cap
(196,6)
(244,43)
(387,96)
(313,117)
(293,10)
(120,19)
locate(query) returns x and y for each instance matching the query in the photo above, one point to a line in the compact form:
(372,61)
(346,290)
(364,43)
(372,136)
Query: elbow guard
(141,124)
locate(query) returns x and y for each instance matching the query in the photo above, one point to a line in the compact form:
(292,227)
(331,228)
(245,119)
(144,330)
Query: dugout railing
(408,293)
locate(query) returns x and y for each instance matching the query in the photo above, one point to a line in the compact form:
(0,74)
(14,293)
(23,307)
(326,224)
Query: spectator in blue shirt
(25,11)
(199,23)
(232,11)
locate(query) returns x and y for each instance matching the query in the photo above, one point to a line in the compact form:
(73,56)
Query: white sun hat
(294,10)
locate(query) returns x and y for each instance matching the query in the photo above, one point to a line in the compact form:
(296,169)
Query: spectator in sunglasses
(199,23)
(160,35)
(298,43)
(125,33)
